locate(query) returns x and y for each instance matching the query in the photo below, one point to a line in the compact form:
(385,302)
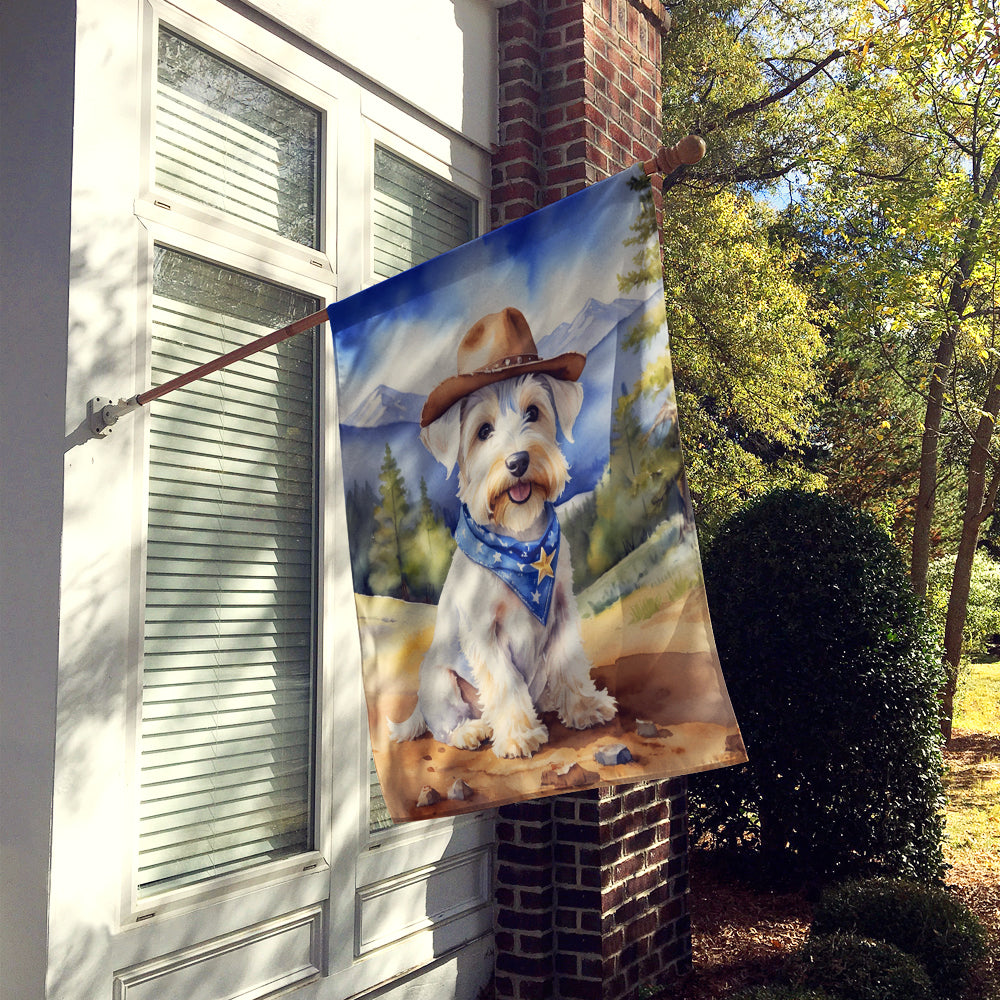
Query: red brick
(521,130)
(570,132)
(518,49)
(520,876)
(570,14)
(567,964)
(553,117)
(573,988)
(642,883)
(619,135)
(658,854)
(641,927)
(521,90)
(568,174)
(518,149)
(535,989)
(536,944)
(564,54)
(552,78)
(531,899)
(521,965)
(518,111)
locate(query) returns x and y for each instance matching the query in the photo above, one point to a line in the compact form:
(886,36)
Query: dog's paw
(469,735)
(521,741)
(588,710)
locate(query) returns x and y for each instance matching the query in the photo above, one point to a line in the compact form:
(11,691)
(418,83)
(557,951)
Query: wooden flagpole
(687,152)
(102,413)
(260,344)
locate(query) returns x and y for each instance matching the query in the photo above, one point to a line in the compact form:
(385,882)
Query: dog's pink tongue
(520,492)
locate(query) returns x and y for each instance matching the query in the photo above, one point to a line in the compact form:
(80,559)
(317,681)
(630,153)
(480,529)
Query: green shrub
(856,968)
(925,922)
(833,672)
(783,993)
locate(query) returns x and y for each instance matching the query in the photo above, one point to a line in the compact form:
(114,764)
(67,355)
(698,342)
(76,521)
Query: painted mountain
(389,416)
(386,406)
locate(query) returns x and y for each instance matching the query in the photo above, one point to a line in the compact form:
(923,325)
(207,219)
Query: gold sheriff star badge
(544,565)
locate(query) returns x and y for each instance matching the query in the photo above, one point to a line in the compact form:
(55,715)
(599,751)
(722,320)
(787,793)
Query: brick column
(579,96)
(591,888)
(524,898)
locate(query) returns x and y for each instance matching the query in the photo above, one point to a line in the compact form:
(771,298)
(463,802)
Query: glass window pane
(231,141)
(416,215)
(228,656)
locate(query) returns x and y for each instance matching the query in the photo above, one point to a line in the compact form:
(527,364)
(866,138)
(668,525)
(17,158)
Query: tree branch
(754,106)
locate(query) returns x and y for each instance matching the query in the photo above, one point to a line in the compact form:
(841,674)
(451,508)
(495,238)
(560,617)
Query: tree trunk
(920,553)
(979,500)
(958,300)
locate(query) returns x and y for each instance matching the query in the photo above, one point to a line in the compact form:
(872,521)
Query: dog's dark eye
(484,431)
(531,414)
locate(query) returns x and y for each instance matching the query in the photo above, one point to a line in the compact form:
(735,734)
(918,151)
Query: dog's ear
(567,398)
(443,437)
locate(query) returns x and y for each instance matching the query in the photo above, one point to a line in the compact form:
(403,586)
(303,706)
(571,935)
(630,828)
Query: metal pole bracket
(103,413)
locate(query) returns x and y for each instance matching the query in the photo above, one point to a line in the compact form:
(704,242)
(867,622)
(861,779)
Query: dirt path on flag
(679,692)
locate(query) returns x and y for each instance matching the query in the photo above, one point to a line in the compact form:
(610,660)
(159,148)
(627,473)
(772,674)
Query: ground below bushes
(742,935)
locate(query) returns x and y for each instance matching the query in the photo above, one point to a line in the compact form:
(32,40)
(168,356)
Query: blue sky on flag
(398,324)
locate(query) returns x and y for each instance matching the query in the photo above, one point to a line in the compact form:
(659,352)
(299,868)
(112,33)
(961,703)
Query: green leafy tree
(880,123)
(387,560)
(361,502)
(747,354)
(910,180)
(631,497)
(745,76)
(427,551)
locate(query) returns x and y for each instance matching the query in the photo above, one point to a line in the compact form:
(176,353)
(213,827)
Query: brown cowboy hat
(499,346)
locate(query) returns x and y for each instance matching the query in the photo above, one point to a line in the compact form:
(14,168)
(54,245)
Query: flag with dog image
(526,573)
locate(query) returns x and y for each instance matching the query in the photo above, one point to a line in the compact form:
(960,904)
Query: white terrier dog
(507,640)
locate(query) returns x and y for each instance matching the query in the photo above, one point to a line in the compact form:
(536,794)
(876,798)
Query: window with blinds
(225,139)
(416,216)
(229,650)
(227,682)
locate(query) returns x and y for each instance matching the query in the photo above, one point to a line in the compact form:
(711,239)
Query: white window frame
(350,872)
(180,224)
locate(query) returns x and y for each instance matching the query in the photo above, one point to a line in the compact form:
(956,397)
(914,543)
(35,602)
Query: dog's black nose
(517,463)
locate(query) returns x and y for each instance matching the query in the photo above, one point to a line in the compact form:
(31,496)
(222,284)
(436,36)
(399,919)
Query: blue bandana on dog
(528,568)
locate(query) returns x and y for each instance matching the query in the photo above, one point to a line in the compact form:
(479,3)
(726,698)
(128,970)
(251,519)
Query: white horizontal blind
(227,681)
(416,216)
(228,140)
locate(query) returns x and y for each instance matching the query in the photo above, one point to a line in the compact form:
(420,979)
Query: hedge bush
(783,993)
(924,921)
(833,672)
(857,968)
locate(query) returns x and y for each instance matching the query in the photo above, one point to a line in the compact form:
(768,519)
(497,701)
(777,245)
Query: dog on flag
(507,643)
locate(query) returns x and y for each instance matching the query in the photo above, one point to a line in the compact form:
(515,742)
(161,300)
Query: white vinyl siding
(227,706)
